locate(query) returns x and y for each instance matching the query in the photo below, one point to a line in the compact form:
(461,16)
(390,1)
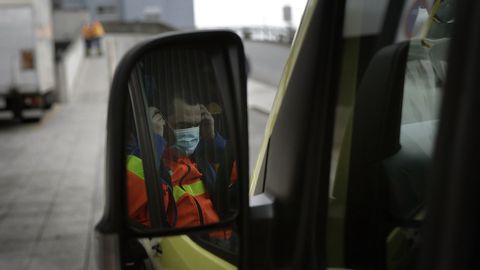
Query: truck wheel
(31,120)
(48,106)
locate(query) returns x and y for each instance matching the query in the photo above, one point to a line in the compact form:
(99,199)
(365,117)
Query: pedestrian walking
(92,33)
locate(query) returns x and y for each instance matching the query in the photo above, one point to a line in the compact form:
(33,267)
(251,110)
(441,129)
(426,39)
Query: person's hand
(157,120)
(207,125)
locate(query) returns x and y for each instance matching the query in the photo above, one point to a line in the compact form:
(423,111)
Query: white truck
(27,69)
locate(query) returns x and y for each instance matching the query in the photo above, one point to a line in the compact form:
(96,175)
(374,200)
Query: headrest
(378,106)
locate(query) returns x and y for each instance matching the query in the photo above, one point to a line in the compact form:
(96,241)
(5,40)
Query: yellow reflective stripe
(195,189)
(135,166)
(177,192)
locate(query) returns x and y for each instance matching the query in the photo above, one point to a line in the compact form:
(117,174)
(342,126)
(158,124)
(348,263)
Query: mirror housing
(115,219)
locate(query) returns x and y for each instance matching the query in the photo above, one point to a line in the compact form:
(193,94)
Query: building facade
(176,13)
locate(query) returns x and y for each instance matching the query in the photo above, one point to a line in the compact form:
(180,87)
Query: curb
(260,96)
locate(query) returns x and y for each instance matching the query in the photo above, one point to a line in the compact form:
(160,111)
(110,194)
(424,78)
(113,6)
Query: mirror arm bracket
(260,223)
(261,207)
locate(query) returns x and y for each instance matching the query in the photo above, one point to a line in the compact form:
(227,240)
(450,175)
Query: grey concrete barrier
(112,57)
(137,27)
(69,67)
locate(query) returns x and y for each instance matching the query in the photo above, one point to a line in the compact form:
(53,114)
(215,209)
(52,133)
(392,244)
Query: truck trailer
(27,69)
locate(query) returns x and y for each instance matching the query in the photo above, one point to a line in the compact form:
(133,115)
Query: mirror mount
(260,224)
(262,207)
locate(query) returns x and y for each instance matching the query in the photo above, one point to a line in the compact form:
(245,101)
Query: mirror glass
(181,163)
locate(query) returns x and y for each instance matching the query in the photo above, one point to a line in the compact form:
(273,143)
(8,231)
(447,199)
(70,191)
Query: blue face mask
(187,139)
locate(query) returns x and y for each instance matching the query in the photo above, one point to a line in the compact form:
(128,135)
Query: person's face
(184,115)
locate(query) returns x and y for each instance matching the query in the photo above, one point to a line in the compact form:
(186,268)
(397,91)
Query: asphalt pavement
(267,61)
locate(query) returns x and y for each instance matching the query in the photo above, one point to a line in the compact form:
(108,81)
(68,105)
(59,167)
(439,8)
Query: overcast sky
(231,13)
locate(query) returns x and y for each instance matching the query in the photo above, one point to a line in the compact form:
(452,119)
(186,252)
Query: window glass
(386,123)
(135,172)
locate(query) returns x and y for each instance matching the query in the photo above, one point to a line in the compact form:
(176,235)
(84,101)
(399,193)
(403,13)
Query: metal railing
(267,34)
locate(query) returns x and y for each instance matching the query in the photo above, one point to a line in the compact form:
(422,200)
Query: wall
(177,13)
(134,11)
(70,4)
(68,68)
(67,24)
(136,27)
(106,10)
(180,14)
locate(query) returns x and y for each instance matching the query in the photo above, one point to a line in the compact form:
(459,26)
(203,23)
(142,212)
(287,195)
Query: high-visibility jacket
(92,30)
(87,32)
(137,192)
(97,29)
(194,205)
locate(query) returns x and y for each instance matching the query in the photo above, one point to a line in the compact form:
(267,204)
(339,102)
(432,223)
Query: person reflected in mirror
(194,178)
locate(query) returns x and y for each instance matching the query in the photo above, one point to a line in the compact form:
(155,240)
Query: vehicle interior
(394,123)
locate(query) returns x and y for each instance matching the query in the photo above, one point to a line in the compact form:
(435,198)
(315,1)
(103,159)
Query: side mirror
(177,138)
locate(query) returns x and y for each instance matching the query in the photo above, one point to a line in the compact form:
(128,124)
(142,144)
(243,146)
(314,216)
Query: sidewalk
(51,180)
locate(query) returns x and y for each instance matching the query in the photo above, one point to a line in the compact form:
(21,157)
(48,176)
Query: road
(266,61)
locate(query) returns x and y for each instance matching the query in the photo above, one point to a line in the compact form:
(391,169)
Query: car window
(386,123)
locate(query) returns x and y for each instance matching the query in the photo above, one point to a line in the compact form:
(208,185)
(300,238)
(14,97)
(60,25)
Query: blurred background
(57,59)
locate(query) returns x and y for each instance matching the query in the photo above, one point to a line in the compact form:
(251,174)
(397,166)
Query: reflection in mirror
(186,138)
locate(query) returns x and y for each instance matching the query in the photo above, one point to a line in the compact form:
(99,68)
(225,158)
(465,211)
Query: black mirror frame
(114,219)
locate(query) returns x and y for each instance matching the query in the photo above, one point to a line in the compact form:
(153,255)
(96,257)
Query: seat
(387,178)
